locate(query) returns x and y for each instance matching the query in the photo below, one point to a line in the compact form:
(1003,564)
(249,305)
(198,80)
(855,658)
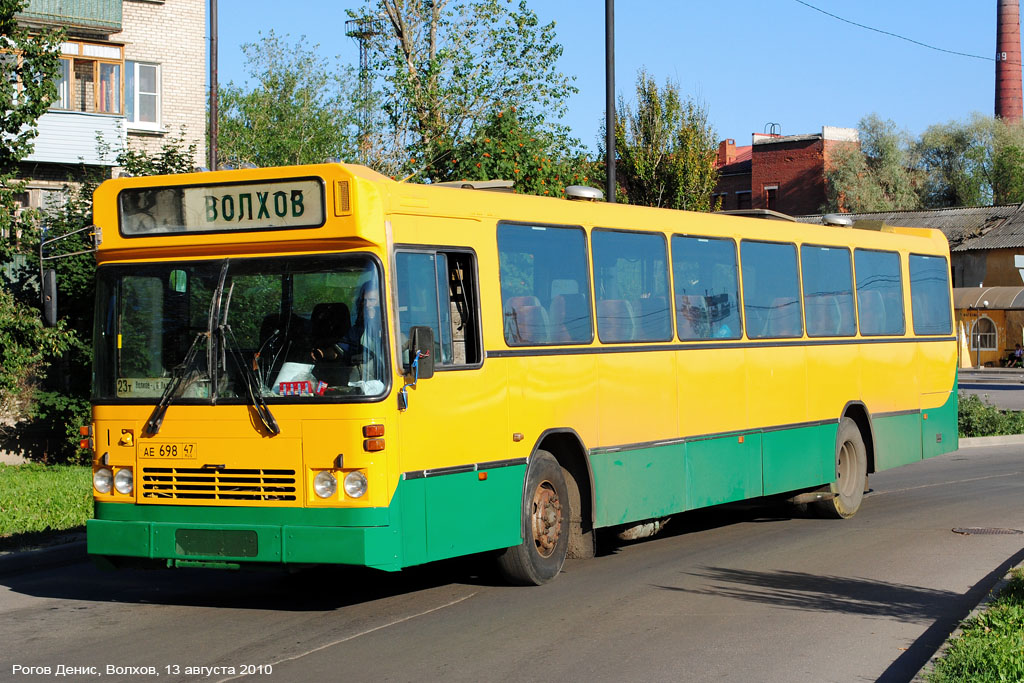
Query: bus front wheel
(546,514)
(851,472)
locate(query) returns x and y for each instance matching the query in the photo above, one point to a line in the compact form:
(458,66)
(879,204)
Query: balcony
(101,16)
(71,137)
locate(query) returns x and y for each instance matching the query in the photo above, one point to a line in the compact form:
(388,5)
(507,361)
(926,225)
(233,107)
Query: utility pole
(213,86)
(609,107)
(362,30)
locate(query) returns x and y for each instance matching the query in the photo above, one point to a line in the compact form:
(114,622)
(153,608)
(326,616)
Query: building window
(743,200)
(771,196)
(90,78)
(719,206)
(983,335)
(142,94)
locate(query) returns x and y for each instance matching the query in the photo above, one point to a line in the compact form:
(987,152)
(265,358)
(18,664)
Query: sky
(750,63)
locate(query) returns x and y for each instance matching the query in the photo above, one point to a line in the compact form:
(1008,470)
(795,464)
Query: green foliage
(978,417)
(300,110)
(35,498)
(446,65)
(954,157)
(879,176)
(507,147)
(175,156)
(666,149)
(28,69)
(991,646)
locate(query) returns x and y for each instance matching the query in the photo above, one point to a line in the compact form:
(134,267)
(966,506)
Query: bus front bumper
(177,537)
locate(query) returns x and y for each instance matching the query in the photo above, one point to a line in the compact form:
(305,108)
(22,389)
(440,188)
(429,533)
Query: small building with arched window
(991,320)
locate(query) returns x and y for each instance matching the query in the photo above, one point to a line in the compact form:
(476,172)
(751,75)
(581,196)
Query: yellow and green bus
(318,364)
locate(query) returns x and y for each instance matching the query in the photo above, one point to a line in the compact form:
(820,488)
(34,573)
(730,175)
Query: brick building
(784,173)
(133,72)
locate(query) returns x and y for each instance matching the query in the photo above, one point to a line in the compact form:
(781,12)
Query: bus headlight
(124,482)
(355,484)
(103,479)
(325,484)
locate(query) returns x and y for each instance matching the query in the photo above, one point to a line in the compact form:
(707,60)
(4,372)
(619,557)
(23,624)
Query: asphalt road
(737,593)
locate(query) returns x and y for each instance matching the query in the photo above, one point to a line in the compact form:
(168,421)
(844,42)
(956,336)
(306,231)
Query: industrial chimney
(1009,103)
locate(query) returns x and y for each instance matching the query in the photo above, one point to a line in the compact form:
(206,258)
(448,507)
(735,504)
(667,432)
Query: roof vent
(837,220)
(583,193)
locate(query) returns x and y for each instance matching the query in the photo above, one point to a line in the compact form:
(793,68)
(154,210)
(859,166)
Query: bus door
(456,496)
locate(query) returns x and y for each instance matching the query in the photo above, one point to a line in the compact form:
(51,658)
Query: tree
(666,149)
(60,398)
(301,110)
(956,158)
(507,147)
(446,65)
(28,70)
(880,175)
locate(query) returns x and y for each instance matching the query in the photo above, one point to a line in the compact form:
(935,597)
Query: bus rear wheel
(546,514)
(851,473)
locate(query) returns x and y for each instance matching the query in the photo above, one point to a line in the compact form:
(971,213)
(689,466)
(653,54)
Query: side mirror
(49,295)
(421,345)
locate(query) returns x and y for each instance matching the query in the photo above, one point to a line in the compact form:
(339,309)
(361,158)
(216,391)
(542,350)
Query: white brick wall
(173,34)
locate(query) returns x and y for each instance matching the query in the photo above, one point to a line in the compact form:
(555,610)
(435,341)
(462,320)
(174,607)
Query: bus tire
(546,514)
(851,473)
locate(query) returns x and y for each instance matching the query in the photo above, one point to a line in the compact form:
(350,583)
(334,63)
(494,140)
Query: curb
(981,607)
(976,441)
(16,562)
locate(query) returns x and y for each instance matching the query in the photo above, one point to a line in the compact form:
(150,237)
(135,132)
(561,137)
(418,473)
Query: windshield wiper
(171,390)
(253,384)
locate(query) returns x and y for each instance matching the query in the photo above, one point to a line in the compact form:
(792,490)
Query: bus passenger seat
(783,318)
(526,319)
(570,319)
(655,319)
(615,321)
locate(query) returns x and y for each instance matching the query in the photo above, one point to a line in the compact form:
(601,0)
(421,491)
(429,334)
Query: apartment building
(133,72)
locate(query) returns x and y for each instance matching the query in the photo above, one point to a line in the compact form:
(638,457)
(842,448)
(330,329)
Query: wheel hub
(547,518)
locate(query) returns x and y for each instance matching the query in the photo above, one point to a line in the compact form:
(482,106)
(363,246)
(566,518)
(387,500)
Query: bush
(978,417)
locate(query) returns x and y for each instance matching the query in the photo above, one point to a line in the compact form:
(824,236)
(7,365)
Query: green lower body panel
(430,518)
(940,427)
(798,458)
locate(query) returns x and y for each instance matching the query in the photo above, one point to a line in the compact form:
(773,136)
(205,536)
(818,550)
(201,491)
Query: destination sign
(268,205)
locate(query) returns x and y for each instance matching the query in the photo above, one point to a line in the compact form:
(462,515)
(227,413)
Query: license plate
(180,451)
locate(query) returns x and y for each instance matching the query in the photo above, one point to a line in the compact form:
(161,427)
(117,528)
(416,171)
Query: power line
(895,35)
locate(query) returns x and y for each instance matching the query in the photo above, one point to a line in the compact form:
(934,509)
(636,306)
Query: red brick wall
(797,168)
(730,185)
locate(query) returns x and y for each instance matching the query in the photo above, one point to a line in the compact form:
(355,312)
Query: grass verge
(991,647)
(36,498)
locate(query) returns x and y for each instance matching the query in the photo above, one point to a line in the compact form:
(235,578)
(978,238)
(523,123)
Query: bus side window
(879,292)
(437,289)
(771,290)
(545,286)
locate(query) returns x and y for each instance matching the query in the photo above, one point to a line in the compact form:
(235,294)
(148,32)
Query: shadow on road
(944,610)
(317,589)
(808,592)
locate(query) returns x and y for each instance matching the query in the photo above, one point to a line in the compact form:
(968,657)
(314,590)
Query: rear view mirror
(49,295)
(421,345)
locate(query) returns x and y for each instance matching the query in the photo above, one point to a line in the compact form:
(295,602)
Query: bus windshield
(298,328)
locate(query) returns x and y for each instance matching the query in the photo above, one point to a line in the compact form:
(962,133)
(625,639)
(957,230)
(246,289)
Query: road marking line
(361,633)
(944,483)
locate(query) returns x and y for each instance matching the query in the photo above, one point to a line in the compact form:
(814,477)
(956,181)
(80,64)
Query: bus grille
(184,483)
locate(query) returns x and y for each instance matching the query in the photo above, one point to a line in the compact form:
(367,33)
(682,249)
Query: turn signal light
(372,431)
(85,430)
(374,444)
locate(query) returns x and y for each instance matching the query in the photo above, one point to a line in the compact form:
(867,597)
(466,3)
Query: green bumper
(198,535)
